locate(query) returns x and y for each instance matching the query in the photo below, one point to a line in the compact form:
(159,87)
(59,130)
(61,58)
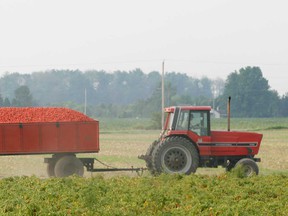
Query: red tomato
(40,114)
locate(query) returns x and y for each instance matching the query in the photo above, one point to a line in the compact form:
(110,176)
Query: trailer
(60,132)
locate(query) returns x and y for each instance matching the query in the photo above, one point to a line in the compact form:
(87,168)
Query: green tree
(283,111)
(10,81)
(1,101)
(23,97)
(6,102)
(251,94)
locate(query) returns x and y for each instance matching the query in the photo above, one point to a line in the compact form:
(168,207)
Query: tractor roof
(196,108)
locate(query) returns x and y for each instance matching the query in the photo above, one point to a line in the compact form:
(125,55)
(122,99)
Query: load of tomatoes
(40,114)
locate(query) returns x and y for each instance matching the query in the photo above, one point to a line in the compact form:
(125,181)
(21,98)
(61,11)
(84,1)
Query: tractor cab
(187,119)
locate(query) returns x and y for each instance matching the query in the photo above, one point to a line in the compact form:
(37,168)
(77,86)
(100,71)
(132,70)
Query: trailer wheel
(249,166)
(50,169)
(68,165)
(175,155)
(51,164)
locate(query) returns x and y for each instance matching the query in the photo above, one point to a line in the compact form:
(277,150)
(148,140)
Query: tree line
(136,94)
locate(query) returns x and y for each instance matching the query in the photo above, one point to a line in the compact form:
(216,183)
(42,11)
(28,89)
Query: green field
(26,190)
(163,195)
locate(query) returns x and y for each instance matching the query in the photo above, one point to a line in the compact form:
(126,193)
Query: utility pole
(85,100)
(163,96)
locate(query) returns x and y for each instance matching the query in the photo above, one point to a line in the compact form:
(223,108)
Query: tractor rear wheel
(69,165)
(149,155)
(175,155)
(249,166)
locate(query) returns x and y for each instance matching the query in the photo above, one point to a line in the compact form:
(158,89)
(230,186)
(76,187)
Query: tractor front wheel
(249,166)
(175,155)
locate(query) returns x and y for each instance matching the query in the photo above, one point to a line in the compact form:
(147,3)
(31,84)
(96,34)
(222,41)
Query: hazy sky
(201,38)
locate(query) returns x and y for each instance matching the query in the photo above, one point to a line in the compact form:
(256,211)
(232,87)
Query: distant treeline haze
(136,94)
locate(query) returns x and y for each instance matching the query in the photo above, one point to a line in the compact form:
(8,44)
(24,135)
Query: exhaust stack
(229,111)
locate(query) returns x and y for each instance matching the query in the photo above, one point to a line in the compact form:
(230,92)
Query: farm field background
(26,190)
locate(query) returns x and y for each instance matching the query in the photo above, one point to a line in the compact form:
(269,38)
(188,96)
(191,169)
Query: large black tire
(249,167)
(149,154)
(68,165)
(175,155)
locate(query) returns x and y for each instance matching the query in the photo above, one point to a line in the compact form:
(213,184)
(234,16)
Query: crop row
(164,195)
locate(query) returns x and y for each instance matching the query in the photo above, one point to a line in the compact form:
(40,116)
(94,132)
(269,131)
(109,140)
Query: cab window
(183,120)
(199,123)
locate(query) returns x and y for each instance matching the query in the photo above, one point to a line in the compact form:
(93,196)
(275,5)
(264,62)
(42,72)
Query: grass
(252,124)
(124,124)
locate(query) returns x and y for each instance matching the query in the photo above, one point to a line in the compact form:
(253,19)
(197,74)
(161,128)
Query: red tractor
(187,142)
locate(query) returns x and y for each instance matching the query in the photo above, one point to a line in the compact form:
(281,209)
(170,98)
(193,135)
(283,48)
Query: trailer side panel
(46,138)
